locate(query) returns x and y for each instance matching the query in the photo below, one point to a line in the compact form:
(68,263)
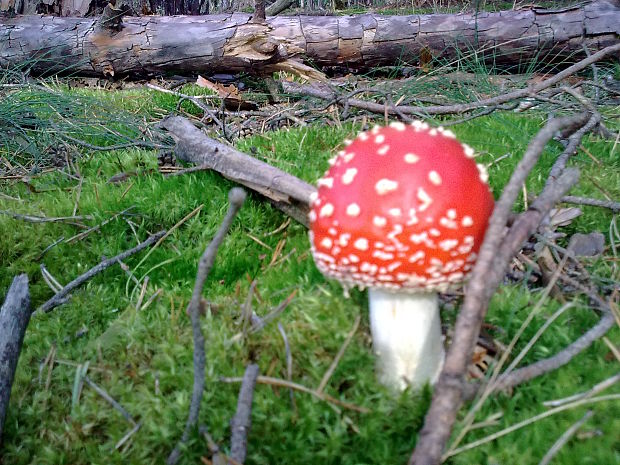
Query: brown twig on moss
(236,197)
(301,388)
(330,371)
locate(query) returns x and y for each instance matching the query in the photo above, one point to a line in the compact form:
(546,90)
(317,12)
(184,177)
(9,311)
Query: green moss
(144,358)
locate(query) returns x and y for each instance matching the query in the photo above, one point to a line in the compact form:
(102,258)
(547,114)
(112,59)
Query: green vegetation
(143,358)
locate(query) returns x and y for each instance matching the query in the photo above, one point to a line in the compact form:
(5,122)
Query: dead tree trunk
(190,44)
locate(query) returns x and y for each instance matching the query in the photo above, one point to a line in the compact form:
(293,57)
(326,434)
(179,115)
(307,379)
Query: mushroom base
(406,336)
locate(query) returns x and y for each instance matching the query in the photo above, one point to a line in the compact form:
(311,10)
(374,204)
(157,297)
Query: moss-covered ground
(143,357)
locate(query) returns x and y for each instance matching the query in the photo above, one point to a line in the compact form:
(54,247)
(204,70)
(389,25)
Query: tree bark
(288,193)
(14,317)
(228,43)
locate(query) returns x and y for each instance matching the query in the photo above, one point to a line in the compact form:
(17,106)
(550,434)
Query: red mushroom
(402,211)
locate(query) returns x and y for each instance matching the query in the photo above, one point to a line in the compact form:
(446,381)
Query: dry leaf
(563,216)
(233,100)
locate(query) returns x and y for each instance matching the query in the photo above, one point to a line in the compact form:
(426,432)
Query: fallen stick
(109,399)
(14,319)
(495,253)
(289,365)
(613,206)
(45,219)
(324,93)
(60,297)
(526,373)
(288,192)
(236,197)
(242,421)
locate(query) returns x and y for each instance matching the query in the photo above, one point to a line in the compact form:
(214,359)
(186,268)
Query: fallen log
(151,45)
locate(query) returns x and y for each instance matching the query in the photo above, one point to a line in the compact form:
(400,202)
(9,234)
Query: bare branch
(236,196)
(485,278)
(560,359)
(330,371)
(102,392)
(613,206)
(60,297)
(241,422)
(289,365)
(286,191)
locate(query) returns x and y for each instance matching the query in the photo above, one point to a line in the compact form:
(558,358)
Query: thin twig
(562,440)
(127,436)
(325,94)
(275,313)
(145,283)
(560,359)
(83,234)
(289,365)
(247,312)
(330,371)
(162,239)
(614,206)
(299,387)
(194,100)
(599,387)
(259,323)
(59,298)
(49,247)
(534,419)
(492,383)
(150,300)
(46,219)
(104,148)
(49,279)
(236,196)
(99,390)
(573,143)
(242,421)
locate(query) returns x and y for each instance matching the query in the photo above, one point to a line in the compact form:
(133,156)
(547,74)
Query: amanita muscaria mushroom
(402,211)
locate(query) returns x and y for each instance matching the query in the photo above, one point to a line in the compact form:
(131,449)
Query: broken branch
(60,297)
(485,278)
(236,197)
(14,319)
(241,422)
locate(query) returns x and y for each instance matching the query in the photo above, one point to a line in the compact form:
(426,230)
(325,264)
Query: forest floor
(127,329)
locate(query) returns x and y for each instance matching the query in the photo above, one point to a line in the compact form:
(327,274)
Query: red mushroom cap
(404,207)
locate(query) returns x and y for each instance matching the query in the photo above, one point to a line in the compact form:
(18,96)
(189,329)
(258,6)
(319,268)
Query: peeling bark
(229,43)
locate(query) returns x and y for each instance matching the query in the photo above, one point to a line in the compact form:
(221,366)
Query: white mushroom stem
(406,336)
